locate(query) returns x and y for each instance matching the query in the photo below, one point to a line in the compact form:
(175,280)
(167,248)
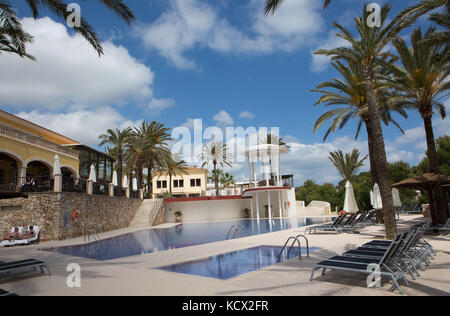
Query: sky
(220,61)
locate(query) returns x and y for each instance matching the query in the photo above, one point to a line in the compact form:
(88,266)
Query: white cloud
(246,115)
(223,118)
(81,125)
(190,24)
(69,71)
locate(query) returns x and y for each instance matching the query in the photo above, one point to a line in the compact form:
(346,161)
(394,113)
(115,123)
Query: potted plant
(178,217)
(246,213)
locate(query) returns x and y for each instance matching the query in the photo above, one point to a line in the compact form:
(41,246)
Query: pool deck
(136,276)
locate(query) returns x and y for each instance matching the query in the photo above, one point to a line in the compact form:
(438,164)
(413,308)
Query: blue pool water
(232,264)
(184,235)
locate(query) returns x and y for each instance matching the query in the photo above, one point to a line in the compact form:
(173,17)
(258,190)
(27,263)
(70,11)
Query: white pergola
(265,173)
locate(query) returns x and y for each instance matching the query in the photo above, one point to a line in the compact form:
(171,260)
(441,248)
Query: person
(30,233)
(15,235)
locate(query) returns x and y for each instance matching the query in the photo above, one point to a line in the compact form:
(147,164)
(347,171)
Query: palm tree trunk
(170,184)
(150,180)
(373,165)
(140,176)
(440,203)
(380,160)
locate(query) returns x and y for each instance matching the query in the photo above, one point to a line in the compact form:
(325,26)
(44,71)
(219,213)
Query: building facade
(191,184)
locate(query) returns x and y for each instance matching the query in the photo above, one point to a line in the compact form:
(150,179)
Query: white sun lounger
(29,240)
(6,243)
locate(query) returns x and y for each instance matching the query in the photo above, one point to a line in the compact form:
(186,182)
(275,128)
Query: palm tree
(441,18)
(227,179)
(118,139)
(135,155)
(175,167)
(349,100)
(348,164)
(215,153)
(421,83)
(272,5)
(157,151)
(13,38)
(368,50)
(59,9)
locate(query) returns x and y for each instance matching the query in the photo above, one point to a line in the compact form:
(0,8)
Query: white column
(57,183)
(89,187)
(111,189)
(22,175)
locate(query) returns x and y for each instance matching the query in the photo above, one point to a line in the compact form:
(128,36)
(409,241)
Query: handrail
(155,210)
(295,239)
(236,231)
(22,136)
(88,233)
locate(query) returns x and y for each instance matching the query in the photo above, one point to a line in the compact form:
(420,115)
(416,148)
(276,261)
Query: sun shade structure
(427,182)
(376,198)
(114,180)
(396,197)
(350,205)
(92,175)
(125,182)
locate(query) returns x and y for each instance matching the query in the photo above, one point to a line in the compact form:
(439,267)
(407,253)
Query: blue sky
(220,61)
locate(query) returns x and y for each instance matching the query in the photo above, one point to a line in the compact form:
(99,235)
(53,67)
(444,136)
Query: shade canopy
(396,197)
(377,202)
(92,175)
(350,205)
(57,166)
(114,179)
(125,182)
(425,181)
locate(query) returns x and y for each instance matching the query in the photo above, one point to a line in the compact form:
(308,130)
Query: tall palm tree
(136,154)
(367,50)
(59,9)
(272,5)
(215,153)
(227,179)
(441,18)
(157,150)
(348,164)
(118,139)
(175,167)
(421,83)
(349,101)
(13,38)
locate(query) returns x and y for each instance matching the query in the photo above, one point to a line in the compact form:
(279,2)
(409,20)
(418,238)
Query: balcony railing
(25,137)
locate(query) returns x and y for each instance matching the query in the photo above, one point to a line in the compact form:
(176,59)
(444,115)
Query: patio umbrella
(350,205)
(114,180)
(125,182)
(377,202)
(92,175)
(135,184)
(396,197)
(428,182)
(56,166)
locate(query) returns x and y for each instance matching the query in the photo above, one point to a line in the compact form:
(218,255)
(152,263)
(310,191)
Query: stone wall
(52,212)
(160,218)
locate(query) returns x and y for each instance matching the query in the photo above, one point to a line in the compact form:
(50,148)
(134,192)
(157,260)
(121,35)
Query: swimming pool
(231,264)
(184,235)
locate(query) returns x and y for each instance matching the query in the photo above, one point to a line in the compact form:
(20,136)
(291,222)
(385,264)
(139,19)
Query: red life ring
(75,215)
(289,204)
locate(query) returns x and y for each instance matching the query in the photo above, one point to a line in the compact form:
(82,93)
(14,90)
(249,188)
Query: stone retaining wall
(52,212)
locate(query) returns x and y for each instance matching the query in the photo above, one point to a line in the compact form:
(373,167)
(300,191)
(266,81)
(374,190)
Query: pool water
(184,235)
(232,264)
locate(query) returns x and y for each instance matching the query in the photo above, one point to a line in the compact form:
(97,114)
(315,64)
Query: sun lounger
(331,227)
(7,243)
(4,293)
(23,265)
(442,229)
(28,240)
(386,264)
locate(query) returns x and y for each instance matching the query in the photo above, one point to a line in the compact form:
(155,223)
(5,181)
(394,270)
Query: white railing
(155,210)
(25,137)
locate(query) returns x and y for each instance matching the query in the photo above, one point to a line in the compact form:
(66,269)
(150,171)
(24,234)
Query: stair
(141,219)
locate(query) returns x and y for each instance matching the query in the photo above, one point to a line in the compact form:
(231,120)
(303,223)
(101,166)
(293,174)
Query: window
(101,168)
(178,183)
(196,182)
(161,184)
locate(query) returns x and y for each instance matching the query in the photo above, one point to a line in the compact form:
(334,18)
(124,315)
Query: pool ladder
(236,229)
(294,240)
(89,233)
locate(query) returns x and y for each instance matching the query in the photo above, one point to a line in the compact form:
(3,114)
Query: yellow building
(27,151)
(191,184)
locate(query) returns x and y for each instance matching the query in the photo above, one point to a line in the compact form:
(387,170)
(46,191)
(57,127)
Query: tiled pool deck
(137,275)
